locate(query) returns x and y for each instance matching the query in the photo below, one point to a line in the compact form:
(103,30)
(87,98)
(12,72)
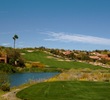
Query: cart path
(11,95)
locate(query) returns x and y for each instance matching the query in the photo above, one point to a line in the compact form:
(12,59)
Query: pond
(21,78)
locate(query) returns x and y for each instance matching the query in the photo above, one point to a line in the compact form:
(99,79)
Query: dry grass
(83,75)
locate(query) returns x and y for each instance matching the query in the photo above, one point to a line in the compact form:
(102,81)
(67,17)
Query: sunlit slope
(39,56)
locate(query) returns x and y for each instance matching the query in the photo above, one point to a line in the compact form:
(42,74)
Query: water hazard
(21,78)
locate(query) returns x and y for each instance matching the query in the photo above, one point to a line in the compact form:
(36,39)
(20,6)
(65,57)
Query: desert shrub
(4,82)
(28,65)
(5,86)
(37,64)
(104,61)
(108,55)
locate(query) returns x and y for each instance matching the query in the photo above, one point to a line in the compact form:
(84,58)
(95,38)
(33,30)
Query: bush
(28,65)
(104,61)
(20,62)
(7,68)
(5,86)
(37,64)
(14,57)
(4,82)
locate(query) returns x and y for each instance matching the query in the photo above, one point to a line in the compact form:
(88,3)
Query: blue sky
(67,24)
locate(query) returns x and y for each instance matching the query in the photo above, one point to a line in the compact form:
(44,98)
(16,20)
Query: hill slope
(52,62)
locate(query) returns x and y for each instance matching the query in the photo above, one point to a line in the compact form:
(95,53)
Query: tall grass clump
(4,82)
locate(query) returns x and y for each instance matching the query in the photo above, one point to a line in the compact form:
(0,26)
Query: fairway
(67,90)
(39,56)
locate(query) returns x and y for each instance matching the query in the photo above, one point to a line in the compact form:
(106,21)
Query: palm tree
(14,38)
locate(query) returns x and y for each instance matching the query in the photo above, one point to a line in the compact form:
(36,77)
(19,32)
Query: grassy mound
(67,90)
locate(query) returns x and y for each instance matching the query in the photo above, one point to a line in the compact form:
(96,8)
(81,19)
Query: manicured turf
(67,90)
(53,63)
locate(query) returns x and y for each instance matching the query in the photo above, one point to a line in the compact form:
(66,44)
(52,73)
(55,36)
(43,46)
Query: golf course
(53,62)
(67,90)
(66,86)
(54,49)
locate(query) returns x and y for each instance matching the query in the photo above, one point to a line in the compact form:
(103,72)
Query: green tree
(14,57)
(14,38)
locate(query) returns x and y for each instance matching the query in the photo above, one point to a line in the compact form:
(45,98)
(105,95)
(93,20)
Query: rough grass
(83,75)
(39,56)
(67,90)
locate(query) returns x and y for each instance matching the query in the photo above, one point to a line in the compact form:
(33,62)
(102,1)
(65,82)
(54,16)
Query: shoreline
(11,95)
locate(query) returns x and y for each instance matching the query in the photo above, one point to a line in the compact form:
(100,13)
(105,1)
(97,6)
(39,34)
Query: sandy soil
(11,95)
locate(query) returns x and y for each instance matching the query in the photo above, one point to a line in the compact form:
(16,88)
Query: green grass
(67,90)
(53,63)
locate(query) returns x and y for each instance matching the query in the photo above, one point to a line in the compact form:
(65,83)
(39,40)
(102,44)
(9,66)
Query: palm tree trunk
(14,43)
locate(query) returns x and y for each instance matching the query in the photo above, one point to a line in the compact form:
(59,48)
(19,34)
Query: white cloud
(6,44)
(77,38)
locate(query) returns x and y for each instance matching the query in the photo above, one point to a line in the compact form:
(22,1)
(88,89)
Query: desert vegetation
(85,74)
(77,70)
